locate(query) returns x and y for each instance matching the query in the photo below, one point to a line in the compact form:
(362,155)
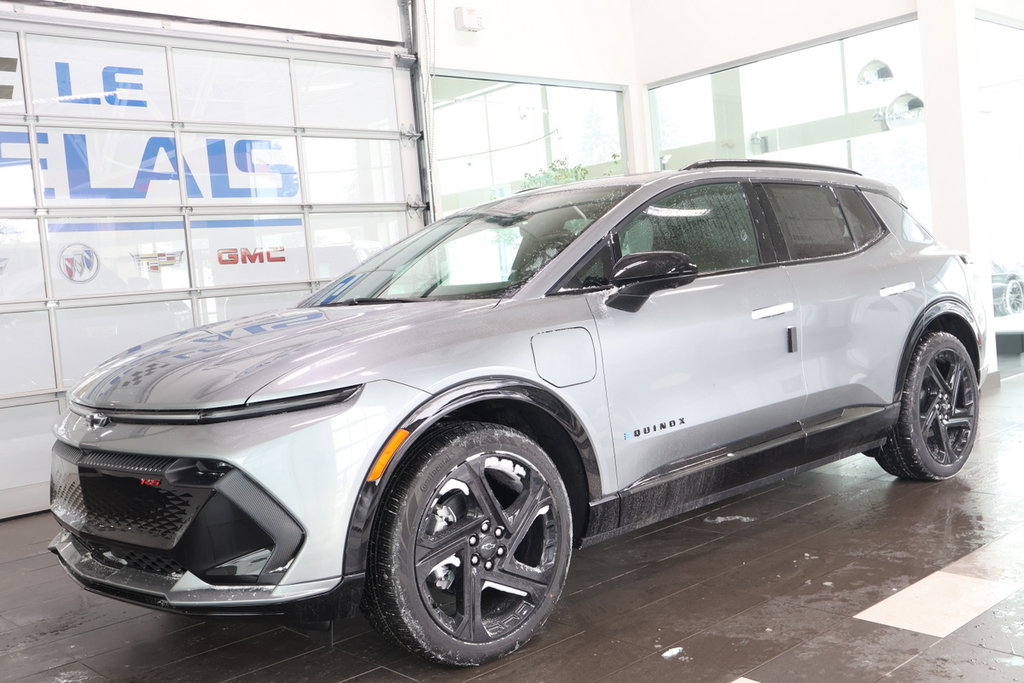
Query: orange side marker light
(381,463)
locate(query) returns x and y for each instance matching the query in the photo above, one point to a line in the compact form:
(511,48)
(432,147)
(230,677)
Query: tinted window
(710,223)
(811,220)
(862,222)
(898,220)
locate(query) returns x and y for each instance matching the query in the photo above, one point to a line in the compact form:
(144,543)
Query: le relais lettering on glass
(120,91)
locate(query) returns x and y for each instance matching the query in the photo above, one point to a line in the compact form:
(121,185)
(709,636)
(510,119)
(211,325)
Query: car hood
(288,353)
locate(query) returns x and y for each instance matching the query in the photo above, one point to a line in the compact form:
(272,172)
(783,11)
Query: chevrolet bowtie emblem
(97,420)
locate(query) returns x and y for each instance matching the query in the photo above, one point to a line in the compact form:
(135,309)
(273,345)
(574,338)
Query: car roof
(731,168)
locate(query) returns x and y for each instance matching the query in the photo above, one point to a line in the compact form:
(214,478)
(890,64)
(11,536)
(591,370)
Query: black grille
(122,504)
(102,494)
(136,559)
(169,515)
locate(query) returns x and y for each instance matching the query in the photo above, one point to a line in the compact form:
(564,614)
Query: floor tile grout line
(214,649)
(900,666)
(399,673)
(280,661)
(506,663)
(87,631)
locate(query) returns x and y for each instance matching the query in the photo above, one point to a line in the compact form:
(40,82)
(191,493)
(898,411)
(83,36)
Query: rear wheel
(938,413)
(472,547)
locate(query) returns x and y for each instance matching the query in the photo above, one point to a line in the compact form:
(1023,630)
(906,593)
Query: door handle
(771,311)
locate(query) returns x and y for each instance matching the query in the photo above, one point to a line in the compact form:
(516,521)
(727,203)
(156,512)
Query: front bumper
(247,517)
(316,601)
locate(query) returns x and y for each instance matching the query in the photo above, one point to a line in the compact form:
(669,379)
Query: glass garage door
(149,183)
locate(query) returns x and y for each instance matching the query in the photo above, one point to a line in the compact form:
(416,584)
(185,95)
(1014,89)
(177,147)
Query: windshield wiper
(367,300)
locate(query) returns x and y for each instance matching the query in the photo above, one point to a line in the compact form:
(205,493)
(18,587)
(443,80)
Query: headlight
(209,415)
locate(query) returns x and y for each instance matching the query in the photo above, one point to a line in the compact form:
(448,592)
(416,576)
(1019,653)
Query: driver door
(707,364)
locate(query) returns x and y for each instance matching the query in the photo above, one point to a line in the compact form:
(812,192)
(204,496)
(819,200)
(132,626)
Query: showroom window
(150,182)
(1001,147)
(856,102)
(492,138)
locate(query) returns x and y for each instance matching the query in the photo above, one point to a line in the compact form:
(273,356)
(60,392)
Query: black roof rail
(765,163)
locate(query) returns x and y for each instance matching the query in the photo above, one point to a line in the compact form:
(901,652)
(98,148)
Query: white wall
(356,18)
(573,40)
(674,38)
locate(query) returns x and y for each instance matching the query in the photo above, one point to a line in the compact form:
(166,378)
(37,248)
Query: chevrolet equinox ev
(432,434)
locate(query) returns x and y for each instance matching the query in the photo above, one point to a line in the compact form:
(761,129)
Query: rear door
(856,293)
(707,364)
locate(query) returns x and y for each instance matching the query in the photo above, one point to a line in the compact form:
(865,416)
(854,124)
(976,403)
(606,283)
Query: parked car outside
(433,433)
(1007,290)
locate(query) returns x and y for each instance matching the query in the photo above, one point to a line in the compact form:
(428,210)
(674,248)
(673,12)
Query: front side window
(811,221)
(709,223)
(483,253)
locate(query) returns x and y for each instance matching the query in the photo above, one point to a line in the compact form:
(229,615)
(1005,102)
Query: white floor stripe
(744,680)
(940,603)
(1000,560)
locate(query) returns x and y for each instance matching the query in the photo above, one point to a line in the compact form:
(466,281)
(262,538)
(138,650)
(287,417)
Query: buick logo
(97,420)
(79,263)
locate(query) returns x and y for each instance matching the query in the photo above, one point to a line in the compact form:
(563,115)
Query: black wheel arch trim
(437,408)
(945,306)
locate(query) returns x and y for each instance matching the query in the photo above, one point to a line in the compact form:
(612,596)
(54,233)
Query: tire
(938,413)
(1012,300)
(471,549)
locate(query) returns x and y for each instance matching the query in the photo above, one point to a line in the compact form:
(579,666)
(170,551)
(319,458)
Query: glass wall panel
(28,432)
(88,167)
(1001,138)
(353,171)
(221,87)
(246,250)
(12,93)
(494,138)
(16,166)
(856,102)
(341,241)
(91,256)
(103,80)
(25,339)
(215,309)
(240,169)
(326,92)
(102,332)
(21,267)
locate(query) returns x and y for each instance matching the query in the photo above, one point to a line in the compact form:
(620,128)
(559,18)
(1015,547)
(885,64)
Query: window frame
(766,249)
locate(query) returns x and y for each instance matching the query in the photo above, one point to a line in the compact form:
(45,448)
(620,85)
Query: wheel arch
(513,402)
(945,315)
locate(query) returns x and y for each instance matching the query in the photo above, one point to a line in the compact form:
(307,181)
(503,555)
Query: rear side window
(709,223)
(812,223)
(862,222)
(898,219)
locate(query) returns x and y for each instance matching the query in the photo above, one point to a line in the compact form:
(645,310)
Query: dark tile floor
(763,588)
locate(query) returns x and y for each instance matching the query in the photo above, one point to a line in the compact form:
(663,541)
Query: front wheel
(938,413)
(472,547)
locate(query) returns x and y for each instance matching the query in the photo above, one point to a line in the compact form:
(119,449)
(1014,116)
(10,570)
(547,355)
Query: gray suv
(433,433)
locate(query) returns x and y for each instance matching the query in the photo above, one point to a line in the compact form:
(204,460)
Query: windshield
(485,252)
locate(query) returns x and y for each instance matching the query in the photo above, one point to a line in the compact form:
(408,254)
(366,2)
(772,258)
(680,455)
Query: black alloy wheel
(938,413)
(473,546)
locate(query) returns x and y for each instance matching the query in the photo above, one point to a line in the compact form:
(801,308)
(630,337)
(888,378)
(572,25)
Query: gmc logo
(230,257)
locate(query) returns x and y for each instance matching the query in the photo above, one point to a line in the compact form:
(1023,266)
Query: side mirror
(641,274)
